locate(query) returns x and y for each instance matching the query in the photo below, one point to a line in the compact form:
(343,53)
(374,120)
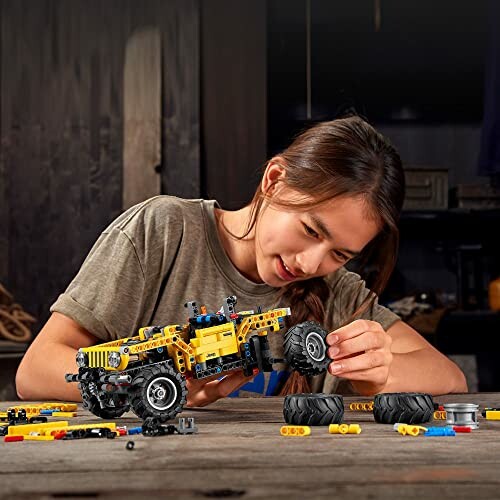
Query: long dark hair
(343,157)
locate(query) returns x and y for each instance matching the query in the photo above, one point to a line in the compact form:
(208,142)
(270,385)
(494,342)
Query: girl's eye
(340,256)
(310,231)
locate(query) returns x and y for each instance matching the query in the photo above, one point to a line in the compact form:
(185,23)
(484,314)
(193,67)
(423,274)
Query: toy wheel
(158,391)
(116,404)
(313,409)
(306,349)
(403,407)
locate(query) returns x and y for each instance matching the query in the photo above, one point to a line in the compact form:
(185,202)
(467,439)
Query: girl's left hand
(360,351)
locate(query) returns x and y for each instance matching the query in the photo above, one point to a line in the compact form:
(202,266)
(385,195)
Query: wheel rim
(161,393)
(315,345)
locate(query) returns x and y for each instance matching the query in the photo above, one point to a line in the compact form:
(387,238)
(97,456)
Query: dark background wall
(62,66)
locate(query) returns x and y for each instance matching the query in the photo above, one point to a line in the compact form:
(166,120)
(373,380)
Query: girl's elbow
(24,383)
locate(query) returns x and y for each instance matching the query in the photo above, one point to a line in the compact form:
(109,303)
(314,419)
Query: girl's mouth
(283,271)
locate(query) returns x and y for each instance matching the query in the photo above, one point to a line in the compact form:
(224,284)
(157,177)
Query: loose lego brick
(9,439)
(462,428)
(18,430)
(65,414)
(344,429)
(135,430)
(439,432)
(295,430)
(36,437)
(492,415)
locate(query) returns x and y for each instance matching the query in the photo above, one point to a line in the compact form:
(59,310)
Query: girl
(334,195)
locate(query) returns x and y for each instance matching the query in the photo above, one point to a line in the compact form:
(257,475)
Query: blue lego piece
(439,431)
(47,412)
(135,430)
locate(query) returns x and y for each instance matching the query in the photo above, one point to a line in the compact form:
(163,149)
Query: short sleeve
(106,296)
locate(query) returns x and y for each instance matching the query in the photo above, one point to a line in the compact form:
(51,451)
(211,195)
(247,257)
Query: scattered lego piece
(483,413)
(17,430)
(462,428)
(37,437)
(492,415)
(65,414)
(344,429)
(151,427)
(361,406)
(439,415)
(462,414)
(130,445)
(439,431)
(135,430)
(9,439)
(295,430)
(412,430)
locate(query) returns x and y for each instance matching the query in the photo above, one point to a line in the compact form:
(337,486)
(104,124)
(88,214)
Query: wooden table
(239,453)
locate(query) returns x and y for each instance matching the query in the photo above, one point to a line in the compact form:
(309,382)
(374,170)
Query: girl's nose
(309,260)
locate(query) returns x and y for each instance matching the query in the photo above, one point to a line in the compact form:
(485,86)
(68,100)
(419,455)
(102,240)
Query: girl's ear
(274,173)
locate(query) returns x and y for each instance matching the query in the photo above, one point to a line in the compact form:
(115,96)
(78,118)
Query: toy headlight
(82,359)
(114,359)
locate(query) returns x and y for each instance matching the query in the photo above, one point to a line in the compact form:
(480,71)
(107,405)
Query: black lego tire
(91,403)
(403,407)
(313,409)
(159,381)
(305,348)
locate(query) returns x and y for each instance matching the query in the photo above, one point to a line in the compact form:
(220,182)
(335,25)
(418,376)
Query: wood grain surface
(239,453)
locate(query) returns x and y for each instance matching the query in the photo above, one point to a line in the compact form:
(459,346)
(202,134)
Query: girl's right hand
(205,391)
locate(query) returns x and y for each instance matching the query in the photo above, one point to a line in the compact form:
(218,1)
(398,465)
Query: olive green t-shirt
(166,251)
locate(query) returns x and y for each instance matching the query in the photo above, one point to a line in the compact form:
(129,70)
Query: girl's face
(298,245)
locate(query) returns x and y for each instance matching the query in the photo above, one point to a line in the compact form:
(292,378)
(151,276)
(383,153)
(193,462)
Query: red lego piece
(462,428)
(9,439)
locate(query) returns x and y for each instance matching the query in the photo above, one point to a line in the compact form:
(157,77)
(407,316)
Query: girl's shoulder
(162,213)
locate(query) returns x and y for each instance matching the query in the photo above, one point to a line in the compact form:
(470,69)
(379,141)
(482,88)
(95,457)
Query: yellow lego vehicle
(147,373)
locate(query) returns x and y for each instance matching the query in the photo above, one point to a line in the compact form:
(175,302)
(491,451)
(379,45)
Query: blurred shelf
(10,349)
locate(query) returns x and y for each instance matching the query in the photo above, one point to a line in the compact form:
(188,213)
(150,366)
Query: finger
(351,330)
(366,361)
(364,342)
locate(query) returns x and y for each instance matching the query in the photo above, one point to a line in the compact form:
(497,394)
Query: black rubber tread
(138,397)
(404,407)
(91,403)
(296,352)
(313,409)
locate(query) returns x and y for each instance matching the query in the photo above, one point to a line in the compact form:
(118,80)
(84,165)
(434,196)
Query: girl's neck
(241,252)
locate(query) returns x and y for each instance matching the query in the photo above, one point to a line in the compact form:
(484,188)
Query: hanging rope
(14,321)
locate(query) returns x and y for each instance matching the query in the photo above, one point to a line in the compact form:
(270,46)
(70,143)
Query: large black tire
(158,391)
(116,404)
(313,409)
(306,349)
(404,407)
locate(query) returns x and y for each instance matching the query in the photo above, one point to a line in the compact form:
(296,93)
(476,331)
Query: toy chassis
(147,373)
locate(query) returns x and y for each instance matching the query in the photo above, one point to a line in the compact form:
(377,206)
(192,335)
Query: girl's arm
(40,375)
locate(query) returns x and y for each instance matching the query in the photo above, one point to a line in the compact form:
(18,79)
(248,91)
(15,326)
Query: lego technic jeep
(147,373)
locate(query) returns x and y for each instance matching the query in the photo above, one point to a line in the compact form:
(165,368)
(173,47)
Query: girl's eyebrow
(320,225)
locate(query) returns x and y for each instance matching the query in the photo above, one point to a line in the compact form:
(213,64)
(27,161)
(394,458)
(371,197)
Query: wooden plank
(233,98)
(142,116)
(62,122)
(4,207)
(179,23)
